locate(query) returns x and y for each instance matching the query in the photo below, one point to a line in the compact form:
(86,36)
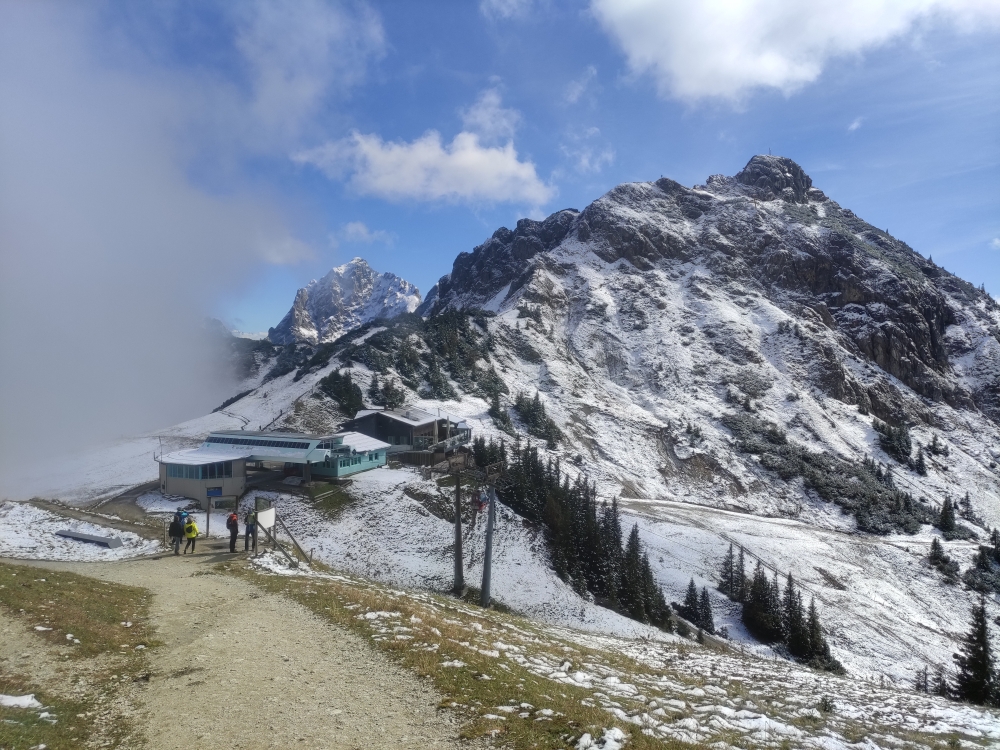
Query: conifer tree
(796,633)
(760,613)
(374,391)
(920,465)
(922,684)
(689,609)
(940,686)
(976,681)
(705,618)
(630,588)
(728,573)
(937,555)
(740,587)
(946,519)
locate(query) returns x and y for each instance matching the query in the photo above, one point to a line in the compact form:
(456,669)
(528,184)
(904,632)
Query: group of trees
(697,609)
(428,356)
(536,421)
(775,617)
(894,440)
(586,540)
(342,389)
(976,678)
(984,575)
(861,488)
(386,394)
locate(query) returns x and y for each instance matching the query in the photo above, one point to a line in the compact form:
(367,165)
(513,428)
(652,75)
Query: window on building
(220,470)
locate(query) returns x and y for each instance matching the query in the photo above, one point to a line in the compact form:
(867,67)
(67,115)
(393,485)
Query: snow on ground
(29,533)
(19,701)
(389,536)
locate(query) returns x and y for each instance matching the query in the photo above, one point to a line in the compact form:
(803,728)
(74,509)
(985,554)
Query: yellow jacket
(190,530)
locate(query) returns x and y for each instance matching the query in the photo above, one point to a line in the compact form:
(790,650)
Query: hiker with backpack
(251,529)
(233,524)
(176,532)
(191,533)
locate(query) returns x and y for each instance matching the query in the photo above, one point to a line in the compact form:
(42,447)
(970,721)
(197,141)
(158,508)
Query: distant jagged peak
(349,295)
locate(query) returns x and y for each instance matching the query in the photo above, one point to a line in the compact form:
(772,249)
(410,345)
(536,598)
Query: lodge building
(215,473)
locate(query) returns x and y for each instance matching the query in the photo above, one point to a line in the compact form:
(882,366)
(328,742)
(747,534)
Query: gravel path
(241,668)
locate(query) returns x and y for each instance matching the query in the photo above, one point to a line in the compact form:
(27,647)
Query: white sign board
(265,518)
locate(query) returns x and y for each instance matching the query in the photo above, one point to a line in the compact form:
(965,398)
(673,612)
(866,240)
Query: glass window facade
(220,470)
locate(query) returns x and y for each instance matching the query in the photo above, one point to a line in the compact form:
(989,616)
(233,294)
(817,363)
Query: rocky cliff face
(768,234)
(349,296)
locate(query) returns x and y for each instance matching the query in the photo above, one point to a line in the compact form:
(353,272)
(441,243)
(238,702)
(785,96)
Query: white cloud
(358,231)
(726,48)
(995,243)
(488,119)
(855,124)
(576,89)
(428,170)
(299,53)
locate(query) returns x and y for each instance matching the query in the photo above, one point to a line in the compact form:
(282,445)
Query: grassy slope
(84,701)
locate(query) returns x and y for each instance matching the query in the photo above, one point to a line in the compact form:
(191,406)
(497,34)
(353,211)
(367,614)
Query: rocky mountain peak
(348,296)
(774,175)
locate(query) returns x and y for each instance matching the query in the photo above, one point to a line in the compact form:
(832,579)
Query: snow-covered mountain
(348,296)
(661,306)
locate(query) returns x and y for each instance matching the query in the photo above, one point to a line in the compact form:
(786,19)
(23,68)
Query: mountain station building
(414,436)
(214,474)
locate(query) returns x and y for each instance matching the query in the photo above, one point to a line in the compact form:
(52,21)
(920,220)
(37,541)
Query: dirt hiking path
(242,668)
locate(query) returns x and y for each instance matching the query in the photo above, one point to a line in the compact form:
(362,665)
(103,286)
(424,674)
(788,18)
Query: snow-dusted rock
(348,296)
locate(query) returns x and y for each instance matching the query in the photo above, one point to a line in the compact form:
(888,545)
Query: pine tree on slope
(796,633)
(705,619)
(740,587)
(728,573)
(689,609)
(976,681)
(630,588)
(946,520)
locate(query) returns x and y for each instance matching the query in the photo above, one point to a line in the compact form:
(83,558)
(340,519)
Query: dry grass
(438,630)
(87,689)
(329,499)
(92,611)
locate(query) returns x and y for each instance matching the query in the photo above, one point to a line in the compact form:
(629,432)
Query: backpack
(233,522)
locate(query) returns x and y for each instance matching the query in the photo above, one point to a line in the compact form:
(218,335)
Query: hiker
(233,524)
(176,531)
(191,532)
(250,519)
